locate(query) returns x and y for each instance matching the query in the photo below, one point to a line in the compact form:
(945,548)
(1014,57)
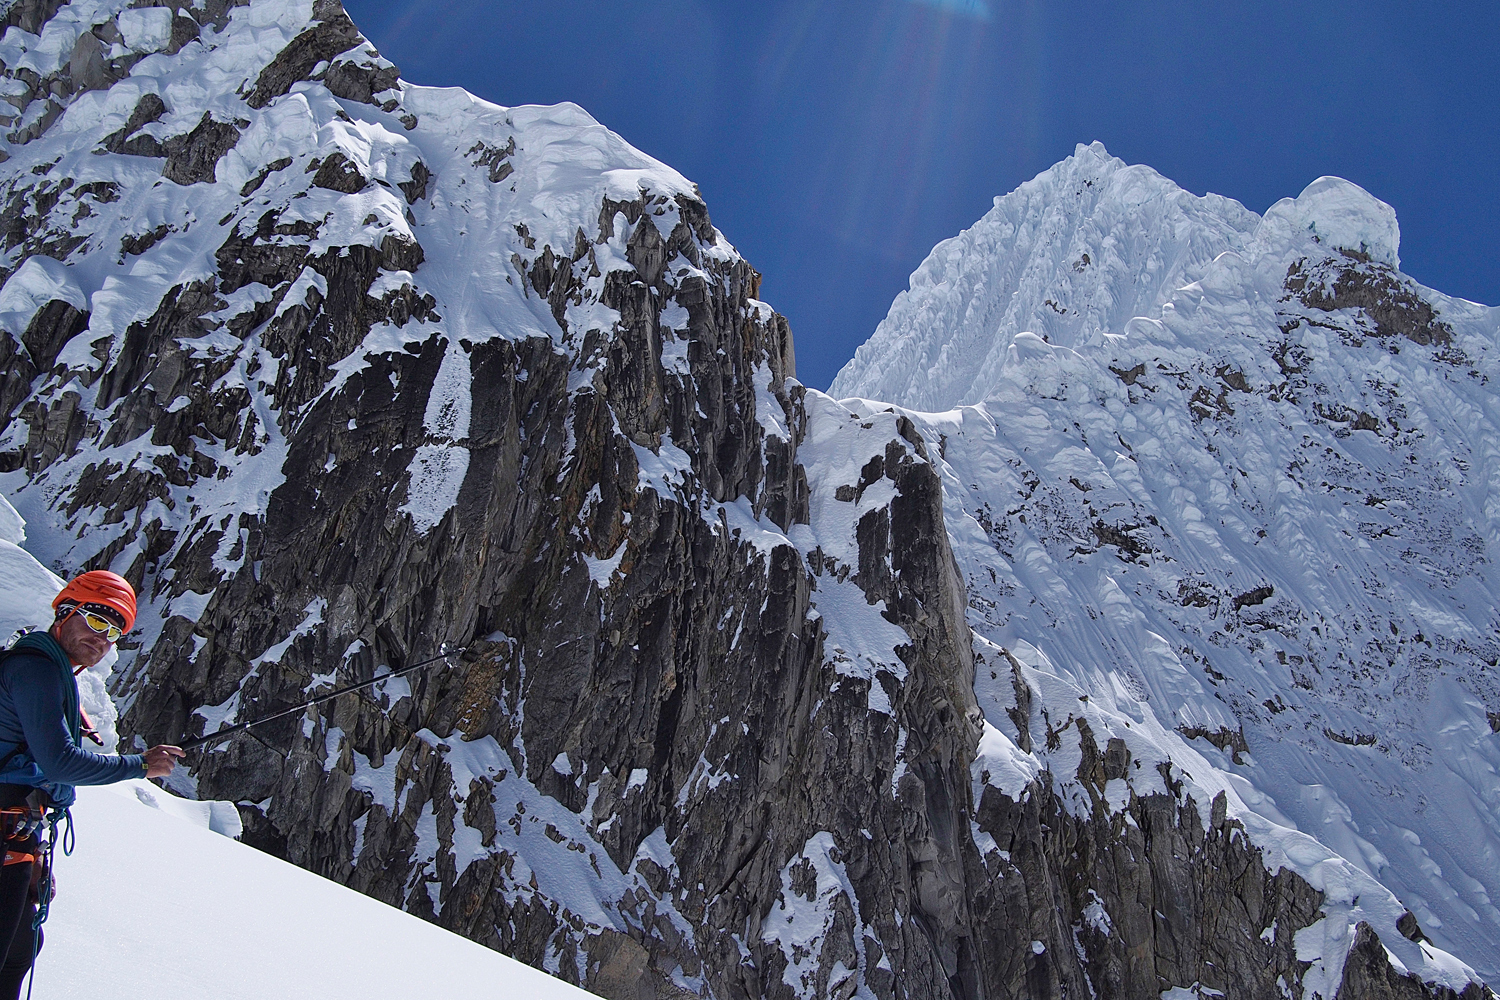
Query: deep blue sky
(836,142)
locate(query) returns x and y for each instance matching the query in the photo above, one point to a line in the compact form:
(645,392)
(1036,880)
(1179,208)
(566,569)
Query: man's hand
(160,760)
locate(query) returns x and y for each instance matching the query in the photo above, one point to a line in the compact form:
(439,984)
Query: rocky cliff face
(338,369)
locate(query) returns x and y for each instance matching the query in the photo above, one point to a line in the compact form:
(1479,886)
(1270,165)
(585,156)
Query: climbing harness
(199,741)
(20,827)
(19,824)
(55,818)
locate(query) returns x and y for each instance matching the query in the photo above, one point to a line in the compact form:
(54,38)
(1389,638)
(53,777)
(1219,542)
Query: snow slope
(151,905)
(1232,481)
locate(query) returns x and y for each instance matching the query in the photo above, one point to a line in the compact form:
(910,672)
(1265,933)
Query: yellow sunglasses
(101,624)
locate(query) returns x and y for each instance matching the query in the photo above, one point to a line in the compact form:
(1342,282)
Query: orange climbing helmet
(100,586)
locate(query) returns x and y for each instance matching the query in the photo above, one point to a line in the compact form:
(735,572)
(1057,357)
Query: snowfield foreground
(152,905)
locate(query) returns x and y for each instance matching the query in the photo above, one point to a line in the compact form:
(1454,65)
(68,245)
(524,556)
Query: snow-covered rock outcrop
(338,369)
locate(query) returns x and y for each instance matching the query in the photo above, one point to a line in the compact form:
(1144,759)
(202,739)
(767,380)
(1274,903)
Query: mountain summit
(1229,473)
(1074,255)
(1080,690)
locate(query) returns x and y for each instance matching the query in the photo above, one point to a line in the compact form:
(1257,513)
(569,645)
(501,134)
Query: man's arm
(38,703)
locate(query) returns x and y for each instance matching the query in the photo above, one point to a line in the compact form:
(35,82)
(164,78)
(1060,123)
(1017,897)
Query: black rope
(199,741)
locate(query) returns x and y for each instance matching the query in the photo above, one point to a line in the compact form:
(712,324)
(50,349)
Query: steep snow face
(1248,499)
(1070,256)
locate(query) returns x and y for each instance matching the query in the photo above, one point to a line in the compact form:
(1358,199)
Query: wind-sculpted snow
(1256,519)
(1070,256)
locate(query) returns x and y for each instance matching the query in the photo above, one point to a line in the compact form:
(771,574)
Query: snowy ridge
(1244,520)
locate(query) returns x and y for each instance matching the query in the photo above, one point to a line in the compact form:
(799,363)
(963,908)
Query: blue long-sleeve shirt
(34,706)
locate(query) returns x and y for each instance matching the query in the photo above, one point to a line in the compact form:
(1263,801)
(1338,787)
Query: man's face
(83,645)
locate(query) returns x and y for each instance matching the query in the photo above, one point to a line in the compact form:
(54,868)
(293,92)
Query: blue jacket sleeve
(38,703)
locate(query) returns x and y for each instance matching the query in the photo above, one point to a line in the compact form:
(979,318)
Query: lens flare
(977,9)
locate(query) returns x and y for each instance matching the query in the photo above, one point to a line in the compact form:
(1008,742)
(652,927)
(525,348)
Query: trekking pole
(199,741)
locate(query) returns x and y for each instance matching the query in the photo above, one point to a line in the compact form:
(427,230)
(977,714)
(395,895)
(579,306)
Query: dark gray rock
(1368,976)
(87,67)
(136,245)
(30,15)
(361,81)
(39,125)
(192,158)
(50,329)
(1355,281)
(338,173)
(330,34)
(253,184)
(184,30)
(148,109)
(416,188)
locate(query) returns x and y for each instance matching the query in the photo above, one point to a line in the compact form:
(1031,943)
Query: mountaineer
(41,723)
